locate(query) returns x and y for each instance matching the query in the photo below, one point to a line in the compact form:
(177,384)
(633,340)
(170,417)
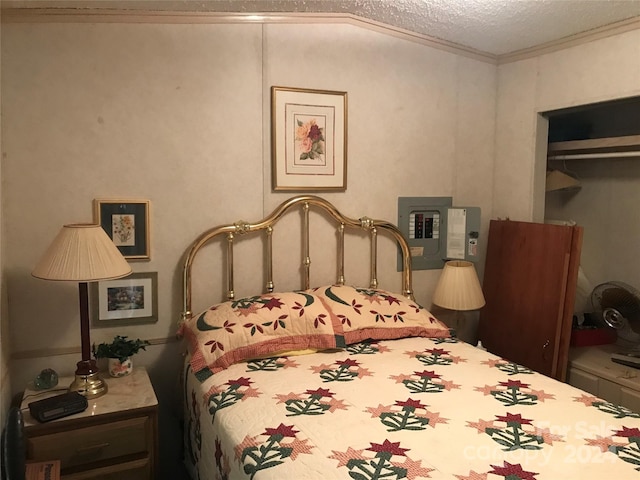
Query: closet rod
(579,156)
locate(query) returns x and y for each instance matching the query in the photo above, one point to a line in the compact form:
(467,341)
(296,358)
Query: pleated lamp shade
(557,180)
(83,253)
(458,287)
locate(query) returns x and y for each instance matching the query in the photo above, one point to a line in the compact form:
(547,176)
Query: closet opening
(593,154)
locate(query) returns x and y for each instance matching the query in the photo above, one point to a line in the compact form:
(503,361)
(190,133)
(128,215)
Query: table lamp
(557,180)
(459,288)
(83,253)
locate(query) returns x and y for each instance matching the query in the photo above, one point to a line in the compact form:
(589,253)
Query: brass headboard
(267,224)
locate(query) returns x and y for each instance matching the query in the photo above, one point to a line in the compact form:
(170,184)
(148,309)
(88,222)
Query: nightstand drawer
(115,438)
(90,444)
(132,470)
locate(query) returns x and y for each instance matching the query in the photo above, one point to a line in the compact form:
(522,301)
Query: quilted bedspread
(411,408)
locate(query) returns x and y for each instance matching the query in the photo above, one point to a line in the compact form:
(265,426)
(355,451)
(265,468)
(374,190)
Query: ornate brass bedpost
(368,224)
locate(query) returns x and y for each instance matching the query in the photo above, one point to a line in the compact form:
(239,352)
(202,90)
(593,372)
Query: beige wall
(5,377)
(596,71)
(179,115)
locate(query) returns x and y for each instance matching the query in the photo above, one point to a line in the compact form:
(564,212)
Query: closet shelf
(612,146)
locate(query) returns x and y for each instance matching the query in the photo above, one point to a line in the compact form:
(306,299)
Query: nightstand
(116,437)
(591,369)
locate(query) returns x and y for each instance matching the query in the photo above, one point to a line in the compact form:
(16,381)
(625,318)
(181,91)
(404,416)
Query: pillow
(258,327)
(367,313)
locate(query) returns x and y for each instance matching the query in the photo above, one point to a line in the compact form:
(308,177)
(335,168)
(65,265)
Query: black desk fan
(618,305)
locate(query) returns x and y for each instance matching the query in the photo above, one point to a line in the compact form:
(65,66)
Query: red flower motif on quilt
(383,465)
(320,392)
(272,303)
(411,415)
(219,396)
(242,381)
(367,347)
(507,366)
(282,430)
(392,448)
(513,435)
(255,456)
(410,403)
(348,363)
(514,383)
(513,419)
(513,472)
(391,300)
(515,392)
(375,296)
(345,371)
(630,433)
(311,402)
(434,352)
(426,381)
(435,356)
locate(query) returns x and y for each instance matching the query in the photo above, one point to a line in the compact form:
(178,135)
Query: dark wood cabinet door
(529,285)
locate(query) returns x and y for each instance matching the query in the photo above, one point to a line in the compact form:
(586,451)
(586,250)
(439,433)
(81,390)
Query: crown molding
(106,15)
(67,15)
(611,30)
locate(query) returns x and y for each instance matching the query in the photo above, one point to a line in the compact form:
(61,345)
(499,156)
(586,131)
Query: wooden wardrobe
(529,285)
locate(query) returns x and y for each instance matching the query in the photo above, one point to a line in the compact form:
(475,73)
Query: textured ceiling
(492,26)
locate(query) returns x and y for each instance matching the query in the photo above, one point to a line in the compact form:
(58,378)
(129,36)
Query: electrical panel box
(437,231)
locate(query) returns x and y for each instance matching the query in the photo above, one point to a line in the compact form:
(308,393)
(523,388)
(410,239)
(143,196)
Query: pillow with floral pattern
(274,324)
(367,313)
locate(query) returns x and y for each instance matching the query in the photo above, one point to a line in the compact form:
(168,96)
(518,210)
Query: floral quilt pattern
(412,408)
(311,402)
(270,448)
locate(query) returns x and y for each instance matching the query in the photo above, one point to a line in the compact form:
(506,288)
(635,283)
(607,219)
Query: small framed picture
(127,224)
(125,301)
(308,140)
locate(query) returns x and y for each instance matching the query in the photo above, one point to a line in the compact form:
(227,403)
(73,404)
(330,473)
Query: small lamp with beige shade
(459,289)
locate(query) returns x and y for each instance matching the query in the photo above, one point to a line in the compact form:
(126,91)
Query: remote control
(630,359)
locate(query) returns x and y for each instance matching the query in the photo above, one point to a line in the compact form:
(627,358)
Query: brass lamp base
(88,381)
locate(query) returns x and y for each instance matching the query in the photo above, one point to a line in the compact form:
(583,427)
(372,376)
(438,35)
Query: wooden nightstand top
(125,393)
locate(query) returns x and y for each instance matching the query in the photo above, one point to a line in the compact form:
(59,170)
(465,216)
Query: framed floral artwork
(308,140)
(127,224)
(129,300)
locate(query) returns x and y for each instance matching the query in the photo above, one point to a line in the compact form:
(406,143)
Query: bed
(337,381)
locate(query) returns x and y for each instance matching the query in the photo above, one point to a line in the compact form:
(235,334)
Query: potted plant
(119,353)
